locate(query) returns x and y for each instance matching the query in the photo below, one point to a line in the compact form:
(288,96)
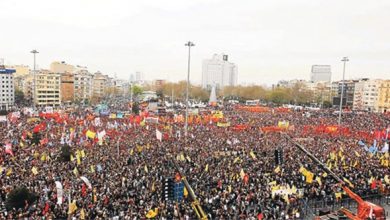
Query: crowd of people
(233,172)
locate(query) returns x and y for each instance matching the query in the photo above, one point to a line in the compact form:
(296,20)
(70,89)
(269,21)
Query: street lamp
(34,52)
(189,44)
(345,60)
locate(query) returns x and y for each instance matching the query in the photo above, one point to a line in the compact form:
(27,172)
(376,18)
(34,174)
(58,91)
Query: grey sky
(268,40)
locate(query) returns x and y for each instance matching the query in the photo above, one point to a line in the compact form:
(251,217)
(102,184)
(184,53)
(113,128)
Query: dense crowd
(232,172)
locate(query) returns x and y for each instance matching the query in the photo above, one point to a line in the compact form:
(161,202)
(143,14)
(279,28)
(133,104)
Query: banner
(60,192)
(86,181)
(90,134)
(223,124)
(158,135)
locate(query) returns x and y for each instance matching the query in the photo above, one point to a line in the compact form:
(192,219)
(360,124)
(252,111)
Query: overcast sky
(268,40)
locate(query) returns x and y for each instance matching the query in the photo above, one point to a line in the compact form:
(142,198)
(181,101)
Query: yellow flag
(92,168)
(9,172)
(236,160)
(294,190)
(90,134)
(1,169)
(349,182)
(357,154)
(277,169)
(153,187)
(286,199)
(75,171)
(318,179)
(355,164)
(242,173)
(131,152)
(338,195)
(82,153)
(71,158)
(207,168)
(185,192)
(386,179)
(272,183)
(82,214)
(34,170)
(252,155)
(309,177)
(21,144)
(72,207)
(152,213)
(229,188)
(43,157)
(182,158)
(78,159)
(146,169)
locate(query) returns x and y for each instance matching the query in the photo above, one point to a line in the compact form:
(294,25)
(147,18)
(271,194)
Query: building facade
(7,90)
(320,73)
(48,89)
(99,85)
(83,86)
(218,71)
(384,96)
(67,87)
(61,67)
(348,95)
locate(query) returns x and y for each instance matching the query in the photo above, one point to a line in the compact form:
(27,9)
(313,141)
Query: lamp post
(34,52)
(189,44)
(345,60)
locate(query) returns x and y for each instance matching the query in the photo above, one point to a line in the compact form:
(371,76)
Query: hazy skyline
(268,40)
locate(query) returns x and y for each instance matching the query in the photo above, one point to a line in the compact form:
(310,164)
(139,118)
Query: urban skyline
(256,36)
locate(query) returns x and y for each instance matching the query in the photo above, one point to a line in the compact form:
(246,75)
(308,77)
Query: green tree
(137,90)
(19,96)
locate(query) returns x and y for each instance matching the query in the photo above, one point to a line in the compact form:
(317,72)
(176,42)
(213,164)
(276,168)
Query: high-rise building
(61,67)
(384,96)
(139,76)
(348,95)
(320,73)
(48,88)
(7,90)
(366,95)
(20,70)
(67,87)
(99,84)
(218,71)
(83,85)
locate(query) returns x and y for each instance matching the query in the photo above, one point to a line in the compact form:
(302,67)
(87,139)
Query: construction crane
(365,210)
(195,204)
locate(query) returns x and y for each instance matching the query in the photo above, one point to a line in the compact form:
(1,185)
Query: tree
(327,104)
(278,96)
(137,90)
(65,153)
(19,96)
(135,108)
(18,197)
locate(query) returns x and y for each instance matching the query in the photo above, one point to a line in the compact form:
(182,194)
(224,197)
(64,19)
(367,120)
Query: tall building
(366,95)
(384,96)
(67,87)
(61,67)
(320,73)
(7,90)
(139,76)
(48,88)
(20,70)
(218,71)
(348,95)
(99,84)
(83,86)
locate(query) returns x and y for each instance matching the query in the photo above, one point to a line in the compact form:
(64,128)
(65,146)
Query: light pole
(345,60)
(189,44)
(34,52)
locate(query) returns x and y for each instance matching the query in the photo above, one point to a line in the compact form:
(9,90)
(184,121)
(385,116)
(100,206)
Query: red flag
(8,149)
(84,190)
